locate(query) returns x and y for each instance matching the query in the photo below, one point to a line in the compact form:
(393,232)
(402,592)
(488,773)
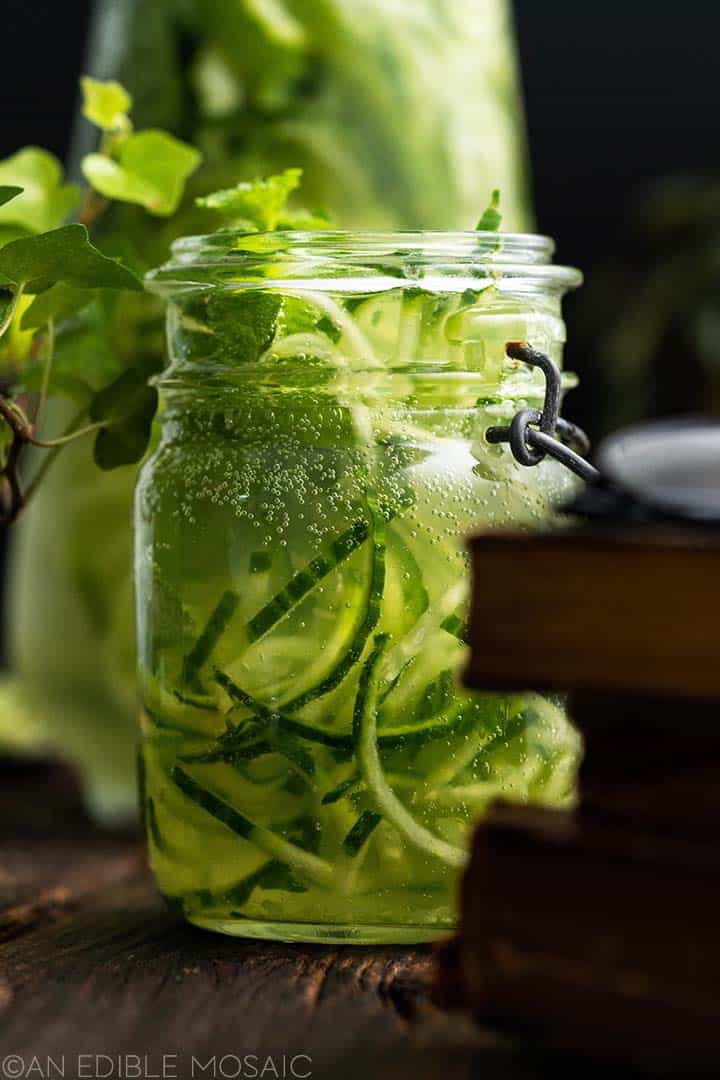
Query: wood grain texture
(92,962)
(581,610)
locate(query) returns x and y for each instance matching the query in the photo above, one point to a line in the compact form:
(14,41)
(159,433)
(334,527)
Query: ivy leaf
(106,103)
(257,202)
(65,254)
(58,302)
(127,407)
(6,299)
(45,201)
(8,192)
(151,170)
(492,218)
(12,232)
(59,385)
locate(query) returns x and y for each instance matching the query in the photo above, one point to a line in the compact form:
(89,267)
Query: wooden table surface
(91,963)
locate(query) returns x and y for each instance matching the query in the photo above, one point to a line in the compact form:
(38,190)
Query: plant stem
(93,206)
(50,353)
(68,437)
(73,430)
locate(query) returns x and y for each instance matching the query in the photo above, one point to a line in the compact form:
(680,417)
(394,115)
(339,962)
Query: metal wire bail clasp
(534,435)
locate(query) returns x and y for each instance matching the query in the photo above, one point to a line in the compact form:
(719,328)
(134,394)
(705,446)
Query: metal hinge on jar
(535,435)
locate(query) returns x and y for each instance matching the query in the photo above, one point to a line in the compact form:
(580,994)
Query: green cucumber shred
(301,583)
(361,831)
(366,747)
(303,862)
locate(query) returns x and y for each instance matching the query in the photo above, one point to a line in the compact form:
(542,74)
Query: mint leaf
(492,218)
(151,171)
(259,203)
(65,254)
(8,192)
(58,302)
(244,323)
(105,103)
(45,201)
(128,406)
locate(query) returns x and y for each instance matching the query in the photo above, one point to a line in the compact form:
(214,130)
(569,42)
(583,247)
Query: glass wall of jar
(311,766)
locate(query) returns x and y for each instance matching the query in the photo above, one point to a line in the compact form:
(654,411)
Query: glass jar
(311,767)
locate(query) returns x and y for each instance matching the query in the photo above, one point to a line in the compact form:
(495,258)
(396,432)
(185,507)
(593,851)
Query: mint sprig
(261,205)
(492,218)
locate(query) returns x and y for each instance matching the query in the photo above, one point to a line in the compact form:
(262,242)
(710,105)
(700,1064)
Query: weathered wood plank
(91,962)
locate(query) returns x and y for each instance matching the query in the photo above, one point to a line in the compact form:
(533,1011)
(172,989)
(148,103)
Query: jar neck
(435,260)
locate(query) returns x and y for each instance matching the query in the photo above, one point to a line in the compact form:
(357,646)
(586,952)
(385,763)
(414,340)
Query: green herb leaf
(58,303)
(65,254)
(6,299)
(8,192)
(106,103)
(45,201)
(258,203)
(151,170)
(492,218)
(306,220)
(127,406)
(244,322)
(60,385)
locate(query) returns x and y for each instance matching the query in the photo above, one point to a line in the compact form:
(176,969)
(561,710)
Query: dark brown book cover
(588,610)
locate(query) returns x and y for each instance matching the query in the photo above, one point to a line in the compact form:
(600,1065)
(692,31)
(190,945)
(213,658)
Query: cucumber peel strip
(302,862)
(366,748)
(373,603)
(214,629)
(301,583)
(361,832)
(394,738)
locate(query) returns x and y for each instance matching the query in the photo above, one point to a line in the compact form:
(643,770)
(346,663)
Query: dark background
(617,94)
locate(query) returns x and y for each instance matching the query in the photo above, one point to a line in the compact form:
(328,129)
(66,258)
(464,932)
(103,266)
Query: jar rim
(405,254)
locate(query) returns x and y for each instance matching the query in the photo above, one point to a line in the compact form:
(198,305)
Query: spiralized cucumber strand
(306,579)
(411,644)
(310,866)
(205,644)
(390,738)
(476,743)
(353,338)
(306,344)
(373,603)
(368,756)
(410,326)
